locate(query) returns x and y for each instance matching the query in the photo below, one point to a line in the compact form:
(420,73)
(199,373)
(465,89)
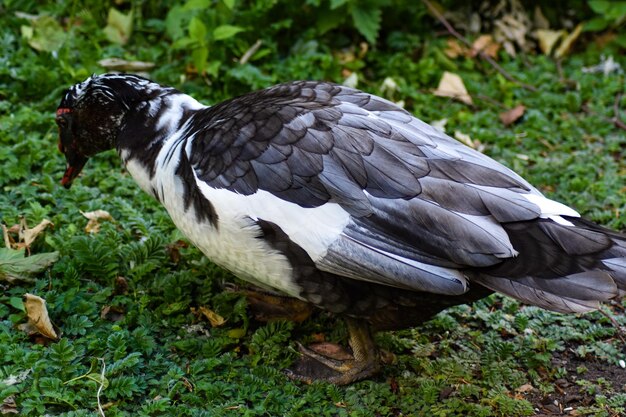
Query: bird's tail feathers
(587,265)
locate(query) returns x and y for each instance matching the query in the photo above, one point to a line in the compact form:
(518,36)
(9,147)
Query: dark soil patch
(570,393)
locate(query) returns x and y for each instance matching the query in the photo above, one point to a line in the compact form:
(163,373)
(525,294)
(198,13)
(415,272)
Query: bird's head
(91,116)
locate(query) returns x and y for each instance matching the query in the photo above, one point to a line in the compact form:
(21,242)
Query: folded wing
(417,209)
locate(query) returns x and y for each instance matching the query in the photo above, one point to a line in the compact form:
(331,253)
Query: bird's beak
(74,158)
(75,164)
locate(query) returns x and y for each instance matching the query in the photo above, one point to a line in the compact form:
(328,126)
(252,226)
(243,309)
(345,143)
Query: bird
(345,201)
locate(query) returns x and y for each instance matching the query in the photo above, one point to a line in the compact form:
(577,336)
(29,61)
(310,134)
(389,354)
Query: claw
(334,364)
(365,361)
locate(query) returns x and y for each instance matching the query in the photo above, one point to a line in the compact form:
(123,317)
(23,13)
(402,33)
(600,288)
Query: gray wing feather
(583,291)
(352,258)
(503,204)
(576,241)
(424,231)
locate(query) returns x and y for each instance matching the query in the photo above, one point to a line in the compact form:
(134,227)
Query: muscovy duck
(343,200)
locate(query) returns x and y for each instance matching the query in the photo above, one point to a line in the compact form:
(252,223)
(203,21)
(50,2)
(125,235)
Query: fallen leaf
(5,236)
(440,125)
(511,30)
(25,235)
(97,215)
(388,87)
(454,49)
(122,65)
(119,26)
(492,49)
(198,328)
(567,43)
(485,44)
(38,317)
(28,236)
(351,80)
(9,406)
(112,313)
(94,217)
(16,379)
(511,116)
(548,39)
(14,266)
(214,319)
(463,138)
(525,388)
(451,85)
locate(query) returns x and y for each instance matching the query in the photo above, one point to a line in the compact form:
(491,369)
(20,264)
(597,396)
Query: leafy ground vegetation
(149,327)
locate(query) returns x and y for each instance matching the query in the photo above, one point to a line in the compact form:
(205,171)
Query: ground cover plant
(148,326)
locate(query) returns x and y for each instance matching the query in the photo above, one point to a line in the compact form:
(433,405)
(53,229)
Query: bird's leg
(365,361)
(268,306)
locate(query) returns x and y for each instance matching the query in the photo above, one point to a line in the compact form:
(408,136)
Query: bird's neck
(150,123)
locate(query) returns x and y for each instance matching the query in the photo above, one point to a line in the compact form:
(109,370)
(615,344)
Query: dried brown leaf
(5,236)
(9,406)
(214,319)
(95,217)
(14,229)
(463,138)
(548,39)
(509,48)
(27,236)
(38,316)
(512,28)
(492,49)
(119,26)
(454,49)
(567,43)
(511,116)
(440,125)
(451,85)
(485,44)
(16,379)
(122,65)
(112,313)
(525,388)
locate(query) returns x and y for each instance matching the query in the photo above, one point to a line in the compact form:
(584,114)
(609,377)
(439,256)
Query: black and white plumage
(343,199)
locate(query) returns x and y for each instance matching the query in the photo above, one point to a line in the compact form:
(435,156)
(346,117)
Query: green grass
(160,358)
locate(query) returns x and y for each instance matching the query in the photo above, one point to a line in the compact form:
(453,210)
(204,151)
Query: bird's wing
(407,204)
